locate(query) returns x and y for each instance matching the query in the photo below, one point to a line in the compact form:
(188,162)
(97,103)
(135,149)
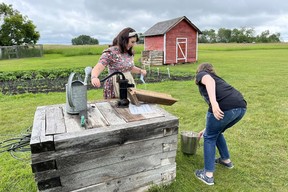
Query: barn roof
(164,26)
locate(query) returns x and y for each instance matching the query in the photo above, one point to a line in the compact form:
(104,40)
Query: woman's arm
(96,71)
(138,70)
(209,82)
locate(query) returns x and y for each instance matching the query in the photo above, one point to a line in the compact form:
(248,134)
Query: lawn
(258,143)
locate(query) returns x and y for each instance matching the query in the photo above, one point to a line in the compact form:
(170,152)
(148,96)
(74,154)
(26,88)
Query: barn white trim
(181,45)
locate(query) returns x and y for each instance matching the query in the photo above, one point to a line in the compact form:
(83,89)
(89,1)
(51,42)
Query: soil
(59,84)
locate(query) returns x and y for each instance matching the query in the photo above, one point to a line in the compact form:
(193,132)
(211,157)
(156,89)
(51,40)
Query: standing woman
(226,107)
(118,58)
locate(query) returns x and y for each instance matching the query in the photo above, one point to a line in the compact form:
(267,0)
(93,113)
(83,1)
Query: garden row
(45,81)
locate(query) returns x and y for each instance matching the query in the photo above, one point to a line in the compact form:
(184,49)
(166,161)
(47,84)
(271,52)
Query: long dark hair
(122,40)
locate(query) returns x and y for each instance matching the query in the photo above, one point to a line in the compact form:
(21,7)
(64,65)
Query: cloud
(60,21)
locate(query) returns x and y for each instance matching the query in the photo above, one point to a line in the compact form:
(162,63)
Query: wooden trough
(117,151)
(139,95)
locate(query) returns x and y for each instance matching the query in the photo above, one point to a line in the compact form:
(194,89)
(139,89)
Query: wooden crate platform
(117,151)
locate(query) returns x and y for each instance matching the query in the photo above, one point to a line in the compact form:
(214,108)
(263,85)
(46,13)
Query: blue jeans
(213,136)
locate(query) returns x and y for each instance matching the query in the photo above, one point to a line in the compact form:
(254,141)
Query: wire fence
(21,51)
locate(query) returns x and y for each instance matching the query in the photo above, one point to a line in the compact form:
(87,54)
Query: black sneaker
(227,165)
(200,174)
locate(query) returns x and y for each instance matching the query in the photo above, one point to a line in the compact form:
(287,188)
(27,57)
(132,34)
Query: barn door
(181,50)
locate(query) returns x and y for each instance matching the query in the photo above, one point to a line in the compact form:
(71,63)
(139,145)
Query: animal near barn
(171,42)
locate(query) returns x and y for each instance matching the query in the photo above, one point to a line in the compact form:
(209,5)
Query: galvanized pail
(189,142)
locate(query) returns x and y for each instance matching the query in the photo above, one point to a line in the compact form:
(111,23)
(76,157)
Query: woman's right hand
(200,134)
(95,81)
(96,71)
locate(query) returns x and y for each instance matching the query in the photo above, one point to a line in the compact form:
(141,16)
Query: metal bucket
(76,100)
(189,142)
(76,96)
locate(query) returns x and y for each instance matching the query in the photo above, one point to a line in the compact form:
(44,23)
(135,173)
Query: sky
(59,21)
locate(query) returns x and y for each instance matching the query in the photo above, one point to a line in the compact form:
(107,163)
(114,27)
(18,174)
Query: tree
(6,10)
(141,38)
(16,29)
(84,40)
(224,35)
(274,38)
(203,38)
(242,35)
(250,35)
(238,35)
(208,36)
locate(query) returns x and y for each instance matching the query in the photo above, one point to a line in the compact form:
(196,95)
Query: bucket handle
(69,89)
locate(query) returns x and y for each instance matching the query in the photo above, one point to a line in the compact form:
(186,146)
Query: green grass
(79,50)
(258,143)
(61,57)
(242,46)
(74,50)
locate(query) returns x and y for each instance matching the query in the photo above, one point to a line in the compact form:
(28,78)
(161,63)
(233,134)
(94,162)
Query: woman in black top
(226,107)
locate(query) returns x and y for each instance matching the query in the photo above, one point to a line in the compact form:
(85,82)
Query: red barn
(177,38)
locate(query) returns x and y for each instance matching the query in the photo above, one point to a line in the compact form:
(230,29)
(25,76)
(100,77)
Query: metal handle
(117,72)
(87,73)
(69,90)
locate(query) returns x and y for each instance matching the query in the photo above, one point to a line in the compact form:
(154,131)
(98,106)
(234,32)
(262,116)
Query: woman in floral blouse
(119,57)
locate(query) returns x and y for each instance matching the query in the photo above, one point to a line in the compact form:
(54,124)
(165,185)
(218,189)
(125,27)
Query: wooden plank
(95,118)
(168,144)
(54,121)
(154,97)
(54,189)
(43,166)
(101,187)
(50,183)
(40,157)
(127,115)
(85,160)
(38,123)
(39,142)
(138,182)
(161,159)
(72,122)
(92,188)
(109,113)
(93,159)
(145,180)
(111,172)
(46,175)
(116,135)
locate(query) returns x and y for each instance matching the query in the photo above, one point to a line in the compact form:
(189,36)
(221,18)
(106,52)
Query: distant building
(176,39)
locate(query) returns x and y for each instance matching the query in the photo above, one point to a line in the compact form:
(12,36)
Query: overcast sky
(58,21)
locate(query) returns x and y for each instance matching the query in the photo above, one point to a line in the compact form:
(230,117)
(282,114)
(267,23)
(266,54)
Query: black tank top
(226,95)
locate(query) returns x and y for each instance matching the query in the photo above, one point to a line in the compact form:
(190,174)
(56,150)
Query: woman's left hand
(217,112)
